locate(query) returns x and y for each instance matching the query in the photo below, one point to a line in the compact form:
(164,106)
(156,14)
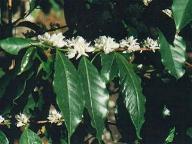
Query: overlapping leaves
(173,56)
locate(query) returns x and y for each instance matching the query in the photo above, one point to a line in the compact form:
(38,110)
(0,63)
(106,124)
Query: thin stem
(10,16)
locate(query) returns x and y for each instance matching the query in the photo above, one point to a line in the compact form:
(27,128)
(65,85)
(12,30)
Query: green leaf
(27,60)
(171,136)
(131,88)
(21,85)
(189,132)
(30,106)
(182,13)
(3,138)
(69,92)
(173,56)
(29,137)
(108,71)
(2,73)
(13,45)
(32,5)
(96,95)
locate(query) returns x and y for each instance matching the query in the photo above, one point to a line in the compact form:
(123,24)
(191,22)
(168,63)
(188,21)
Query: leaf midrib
(67,91)
(135,89)
(89,90)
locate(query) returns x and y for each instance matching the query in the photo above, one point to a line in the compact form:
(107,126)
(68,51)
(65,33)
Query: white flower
(130,43)
(78,46)
(140,66)
(147,2)
(167,12)
(56,40)
(107,44)
(166,111)
(1,119)
(22,120)
(55,117)
(151,44)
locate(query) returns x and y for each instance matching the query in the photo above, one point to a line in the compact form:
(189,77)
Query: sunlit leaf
(96,95)
(182,13)
(131,88)
(69,93)
(173,56)
(29,137)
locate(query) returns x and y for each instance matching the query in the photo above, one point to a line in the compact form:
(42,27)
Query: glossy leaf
(108,71)
(96,95)
(171,136)
(68,90)
(173,56)
(131,88)
(29,137)
(182,13)
(13,45)
(27,60)
(3,138)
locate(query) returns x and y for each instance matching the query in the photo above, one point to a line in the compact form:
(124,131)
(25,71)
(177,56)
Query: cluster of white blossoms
(107,44)
(56,40)
(22,120)
(55,117)
(151,44)
(78,46)
(130,43)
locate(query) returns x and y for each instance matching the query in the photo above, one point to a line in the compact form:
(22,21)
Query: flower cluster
(130,43)
(78,46)
(22,119)
(107,44)
(151,44)
(55,117)
(56,40)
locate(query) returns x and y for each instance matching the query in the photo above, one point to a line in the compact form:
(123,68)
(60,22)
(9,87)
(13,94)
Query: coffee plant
(57,86)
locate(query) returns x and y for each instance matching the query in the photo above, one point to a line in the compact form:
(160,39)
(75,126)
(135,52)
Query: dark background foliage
(115,18)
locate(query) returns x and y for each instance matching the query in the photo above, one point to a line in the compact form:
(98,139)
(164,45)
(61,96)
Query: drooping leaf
(131,88)
(2,73)
(3,138)
(173,56)
(96,95)
(27,60)
(13,45)
(69,93)
(29,137)
(171,136)
(182,13)
(21,85)
(108,71)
